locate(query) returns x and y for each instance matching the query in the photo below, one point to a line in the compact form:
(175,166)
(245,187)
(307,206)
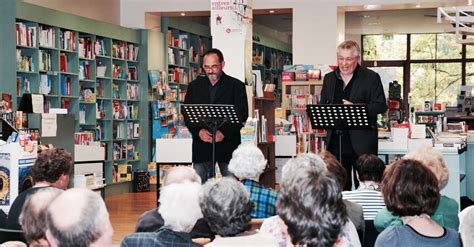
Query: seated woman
(347,234)
(447,209)
(247,164)
(369,173)
(411,191)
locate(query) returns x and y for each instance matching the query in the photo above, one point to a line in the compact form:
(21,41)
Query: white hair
(466,226)
(311,160)
(179,205)
(432,159)
(181,174)
(247,161)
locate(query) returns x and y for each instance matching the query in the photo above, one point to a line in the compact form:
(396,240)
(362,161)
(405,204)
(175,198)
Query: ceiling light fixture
(183,14)
(371,6)
(271,11)
(418,6)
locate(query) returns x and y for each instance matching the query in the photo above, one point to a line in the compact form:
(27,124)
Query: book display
(93,76)
(270,62)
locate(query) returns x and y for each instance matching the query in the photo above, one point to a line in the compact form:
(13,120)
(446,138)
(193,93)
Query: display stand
(211,117)
(338,117)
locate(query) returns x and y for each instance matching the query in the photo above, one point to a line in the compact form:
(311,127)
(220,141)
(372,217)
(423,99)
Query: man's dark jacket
(366,89)
(230,91)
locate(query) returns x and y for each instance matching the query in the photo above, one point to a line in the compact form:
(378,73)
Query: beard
(213,77)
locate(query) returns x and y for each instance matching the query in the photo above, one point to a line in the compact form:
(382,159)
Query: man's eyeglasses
(212,67)
(347,59)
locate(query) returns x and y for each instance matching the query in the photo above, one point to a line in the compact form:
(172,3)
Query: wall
(101,10)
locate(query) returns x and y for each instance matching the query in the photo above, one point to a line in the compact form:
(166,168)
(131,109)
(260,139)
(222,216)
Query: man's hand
(219,136)
(205,135)
(346,102)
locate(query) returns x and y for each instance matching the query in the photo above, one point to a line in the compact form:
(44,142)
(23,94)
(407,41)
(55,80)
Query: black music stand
(338,117)
(211,117)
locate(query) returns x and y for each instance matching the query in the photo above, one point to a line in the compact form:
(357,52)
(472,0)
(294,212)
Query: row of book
(124,110)
(25,35)
(299,101)
(23,63)
(67,40)
(180,41)
(66,85)
(118,50)
(133,91)
(47,36)
(84,70)
(132,73)
(23,85)
(178,75)
(45,63)
(162,108)
(63,62)
(310,143)
(86,46)
(46,82)
(118,72)
(124,150)
(87,137)
(300,122)
(100,88)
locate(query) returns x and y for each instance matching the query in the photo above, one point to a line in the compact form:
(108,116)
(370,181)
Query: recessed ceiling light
(371,6)
(469,2)
(366,16)
(183,14)
(271,11)
(417,6)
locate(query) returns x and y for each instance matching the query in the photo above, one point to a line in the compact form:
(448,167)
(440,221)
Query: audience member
(78,217)
(226,206)
(369,173)
(247,164)
(355,212)
(310,204)
(411,191)
(33,215)
(466,226)
(151,220)
(274,225)
(51,168)
(179,207)
(447,209)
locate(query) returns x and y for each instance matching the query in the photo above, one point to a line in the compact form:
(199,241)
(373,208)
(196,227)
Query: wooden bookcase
(95,70)
(266,107)
(295,96)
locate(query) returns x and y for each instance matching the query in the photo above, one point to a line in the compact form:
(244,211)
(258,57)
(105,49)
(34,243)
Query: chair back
(11,235)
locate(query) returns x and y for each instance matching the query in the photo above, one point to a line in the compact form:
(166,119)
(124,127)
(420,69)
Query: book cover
(152,172)
(5,179)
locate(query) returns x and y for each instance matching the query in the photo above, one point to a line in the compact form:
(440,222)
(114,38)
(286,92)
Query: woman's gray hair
(179,205)
(432,159)
(247,161)
(303,160)
(226,206)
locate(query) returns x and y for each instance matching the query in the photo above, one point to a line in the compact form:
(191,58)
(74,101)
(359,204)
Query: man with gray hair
(247,164)
(78,217)
(179,207)
(33,215)
(152,220)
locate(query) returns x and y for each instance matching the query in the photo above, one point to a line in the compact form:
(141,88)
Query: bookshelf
(270,62)
(93,69)
(295,96)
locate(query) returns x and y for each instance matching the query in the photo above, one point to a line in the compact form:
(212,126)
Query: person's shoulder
(199,80)
(367,72)
(390,236)
(447,203)
(232,79)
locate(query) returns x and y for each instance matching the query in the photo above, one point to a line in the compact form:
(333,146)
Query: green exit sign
(388,37)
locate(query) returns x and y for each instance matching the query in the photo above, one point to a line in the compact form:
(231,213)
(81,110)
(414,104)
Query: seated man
(179,207)
(78,217)
(247,164)
(51,168)
(226,207)
(151,221)
(33,215)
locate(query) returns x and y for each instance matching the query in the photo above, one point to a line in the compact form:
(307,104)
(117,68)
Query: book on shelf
(183,41)
(45,84)
(132,111)
(132,52)
(6,104)
(47,36)
(45,63)
(125,173)
(85,48)
(118,49)
(115,90)
(178,75)
(87,94)
(82,114)
(67,40)
(101,69)
(151,168)
(23,63)
(132,73)
(171,56)
(65,103)
(118,130)
(118,72)
(132,154)
(63,61)
(84,70)
(85,137)
(25,35)
(66,85)
(133,91)
(99,47)
(23,85)
(183,59)
(120,109)
(300,122)
(100,86)
(156,77)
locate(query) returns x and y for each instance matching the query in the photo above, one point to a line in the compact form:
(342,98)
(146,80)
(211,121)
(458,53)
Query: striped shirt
(370,200)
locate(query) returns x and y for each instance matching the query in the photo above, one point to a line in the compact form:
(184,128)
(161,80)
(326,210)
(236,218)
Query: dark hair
(214,51)
(370,168)
(335,169)
(311,205)
(51,164)
(226,206)
(409,188)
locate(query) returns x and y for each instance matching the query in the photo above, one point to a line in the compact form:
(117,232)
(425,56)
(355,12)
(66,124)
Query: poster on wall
(229,17)
(4,179)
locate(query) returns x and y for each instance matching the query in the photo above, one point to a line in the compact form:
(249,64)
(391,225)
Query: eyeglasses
(212,67)
(347,59)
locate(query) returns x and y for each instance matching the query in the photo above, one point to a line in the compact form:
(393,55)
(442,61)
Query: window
(385,47)
(423,46)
